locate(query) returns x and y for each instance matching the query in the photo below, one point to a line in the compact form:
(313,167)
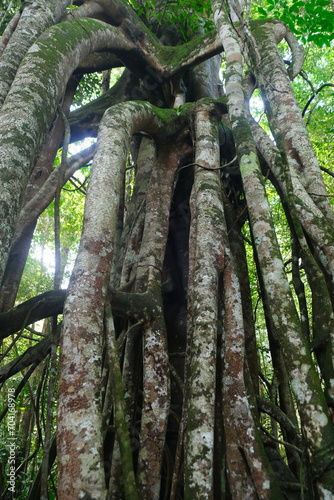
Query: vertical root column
(206,260)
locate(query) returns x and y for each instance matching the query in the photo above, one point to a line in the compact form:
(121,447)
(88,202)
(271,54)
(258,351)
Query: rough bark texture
(206,262)
(305,383)
(31,104)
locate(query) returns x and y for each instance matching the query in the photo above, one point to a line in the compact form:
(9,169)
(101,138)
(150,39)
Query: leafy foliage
(317,76)
(89,88)
(310,20)
(187,16)
(8,9)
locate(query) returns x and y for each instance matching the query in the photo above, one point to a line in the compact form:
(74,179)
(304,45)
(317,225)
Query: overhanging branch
(42,306)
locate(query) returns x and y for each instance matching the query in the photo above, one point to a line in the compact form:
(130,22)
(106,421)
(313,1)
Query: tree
(161,392)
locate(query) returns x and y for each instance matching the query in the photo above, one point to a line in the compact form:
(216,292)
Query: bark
(42,306)
(8,32)
(243,448)
(156,400)
(117,389)
(206,262)
(81,342)
(43,76)
(308,188)
(304,380)
(35,18)
(38,194)
(322,308)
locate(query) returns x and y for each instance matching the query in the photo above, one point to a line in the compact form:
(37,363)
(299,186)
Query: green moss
(249,164)
(206,186)
(260,27)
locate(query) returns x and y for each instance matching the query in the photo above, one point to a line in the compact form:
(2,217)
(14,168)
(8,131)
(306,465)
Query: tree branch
(314,95)
(42,306)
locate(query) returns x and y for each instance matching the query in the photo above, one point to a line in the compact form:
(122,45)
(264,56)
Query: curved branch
(165,61)
(35,18)
(51,60)
(297,54)
(328,171)
(31,103)
(33,209)
(281,31)
(315,94)
(277,414)
(81,342)
(198,50)
(115,11)
(99,61)
(131,305)
(87,9)
(32,356)
(84,121)
(42,306)
(10,28)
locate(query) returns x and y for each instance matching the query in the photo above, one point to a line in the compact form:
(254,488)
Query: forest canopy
(167,249)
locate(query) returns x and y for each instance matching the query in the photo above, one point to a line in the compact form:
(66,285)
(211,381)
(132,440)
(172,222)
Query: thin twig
(279,441)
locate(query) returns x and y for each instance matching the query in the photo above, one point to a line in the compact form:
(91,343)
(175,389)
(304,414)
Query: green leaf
(294,8)
(262,11)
